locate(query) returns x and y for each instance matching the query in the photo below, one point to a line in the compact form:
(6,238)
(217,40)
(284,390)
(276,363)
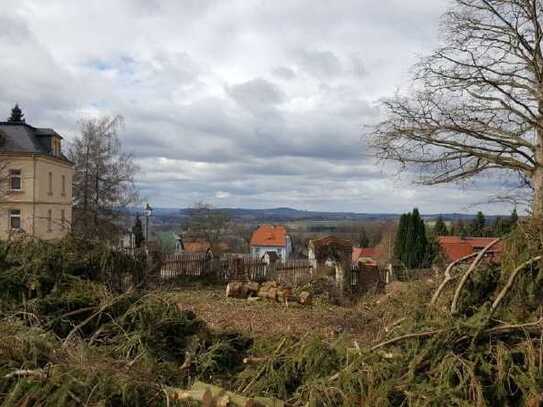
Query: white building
(269,238)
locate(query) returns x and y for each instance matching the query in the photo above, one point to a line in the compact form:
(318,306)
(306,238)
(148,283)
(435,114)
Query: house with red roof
(271,238)
(455,247)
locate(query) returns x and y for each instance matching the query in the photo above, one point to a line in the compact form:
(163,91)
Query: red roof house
(456,247)
(271,237)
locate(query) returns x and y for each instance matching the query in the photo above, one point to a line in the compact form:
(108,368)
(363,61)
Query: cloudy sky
(241,103)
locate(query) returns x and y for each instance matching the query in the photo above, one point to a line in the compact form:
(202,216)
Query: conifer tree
(399,243)
(440,228)
(17,115)
(421,241)
(500,227)
(513,220)
(478,225)
(363,239)
(138,232)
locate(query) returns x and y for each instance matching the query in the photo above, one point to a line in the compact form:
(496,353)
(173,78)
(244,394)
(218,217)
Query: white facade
(282,251)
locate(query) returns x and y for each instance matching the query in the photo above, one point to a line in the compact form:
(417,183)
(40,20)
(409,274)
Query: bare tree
(477,102)
(103,179)
(208,224)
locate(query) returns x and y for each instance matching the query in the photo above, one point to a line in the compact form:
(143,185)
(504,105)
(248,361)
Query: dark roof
(23,138)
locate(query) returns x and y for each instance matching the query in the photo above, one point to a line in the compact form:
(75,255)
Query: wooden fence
(232,267)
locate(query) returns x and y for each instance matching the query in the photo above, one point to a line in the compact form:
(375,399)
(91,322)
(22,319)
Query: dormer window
(55,146)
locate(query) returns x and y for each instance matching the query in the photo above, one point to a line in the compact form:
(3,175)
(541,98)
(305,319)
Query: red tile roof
(196,247)
(455,247)
(269,235)
(365,254)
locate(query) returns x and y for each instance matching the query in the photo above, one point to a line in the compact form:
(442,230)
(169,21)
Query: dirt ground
(366,321)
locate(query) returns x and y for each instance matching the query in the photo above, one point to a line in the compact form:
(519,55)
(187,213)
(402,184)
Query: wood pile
(269,290)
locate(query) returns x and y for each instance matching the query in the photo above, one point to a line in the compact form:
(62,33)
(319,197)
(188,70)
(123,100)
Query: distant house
(455,247)
(268,238)
(365,255)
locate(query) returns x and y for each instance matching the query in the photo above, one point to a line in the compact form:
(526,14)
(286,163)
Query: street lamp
(147,212)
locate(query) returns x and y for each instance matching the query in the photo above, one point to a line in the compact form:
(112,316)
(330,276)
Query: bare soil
(366,321)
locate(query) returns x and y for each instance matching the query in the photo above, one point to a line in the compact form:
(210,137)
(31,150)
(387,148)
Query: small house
(271,238)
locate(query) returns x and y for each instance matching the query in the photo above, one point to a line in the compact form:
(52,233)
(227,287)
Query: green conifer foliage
(17,115)
(440,228)
(138,232)
(399,243)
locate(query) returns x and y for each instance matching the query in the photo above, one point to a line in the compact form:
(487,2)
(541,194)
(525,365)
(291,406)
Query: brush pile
(478,341)
(474,337)
(67,340)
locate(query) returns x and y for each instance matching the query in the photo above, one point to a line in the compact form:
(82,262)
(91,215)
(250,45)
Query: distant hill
(275,215)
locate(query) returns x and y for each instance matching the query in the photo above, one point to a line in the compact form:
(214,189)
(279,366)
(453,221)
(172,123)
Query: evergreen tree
(459,229)
(500,227)
(401,235)
(478,225)
(410,255)
(421,241)
(17,115)
(138,232)
(513,220)
(440,228)
(363,239)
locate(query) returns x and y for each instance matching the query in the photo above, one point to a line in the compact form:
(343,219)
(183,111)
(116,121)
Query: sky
(238,103)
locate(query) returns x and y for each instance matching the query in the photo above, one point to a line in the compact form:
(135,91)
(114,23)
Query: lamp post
(147,212)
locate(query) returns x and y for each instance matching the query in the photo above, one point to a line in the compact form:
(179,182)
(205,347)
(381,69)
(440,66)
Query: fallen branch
(404,337)
(467,274)
(38,373)
(448,277)
(89,319)
(510,283)
(263,368)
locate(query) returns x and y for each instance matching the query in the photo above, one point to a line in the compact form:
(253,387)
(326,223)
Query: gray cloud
(322,64)
(256,95)
(242,104)
(284,72)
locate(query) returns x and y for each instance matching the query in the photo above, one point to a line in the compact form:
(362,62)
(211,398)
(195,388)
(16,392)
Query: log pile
(269,290)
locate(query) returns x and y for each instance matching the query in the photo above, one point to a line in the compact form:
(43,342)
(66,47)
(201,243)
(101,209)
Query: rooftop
(456,247)
(269,235)
(20,137)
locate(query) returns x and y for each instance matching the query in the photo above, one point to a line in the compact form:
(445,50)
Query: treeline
(416,246)
(478,227)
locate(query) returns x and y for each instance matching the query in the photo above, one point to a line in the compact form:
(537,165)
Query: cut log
(268,292)
(236,289)
(211,395)
(305,298)
(283,294)
(252,288)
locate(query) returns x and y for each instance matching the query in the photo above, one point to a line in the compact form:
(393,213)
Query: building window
(62,219)
(64,185)
(15,180)
(15,219)
(50,183)
(49,220)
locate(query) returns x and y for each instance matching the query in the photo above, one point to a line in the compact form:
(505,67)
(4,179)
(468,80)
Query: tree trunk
(537,183)
(537,178)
